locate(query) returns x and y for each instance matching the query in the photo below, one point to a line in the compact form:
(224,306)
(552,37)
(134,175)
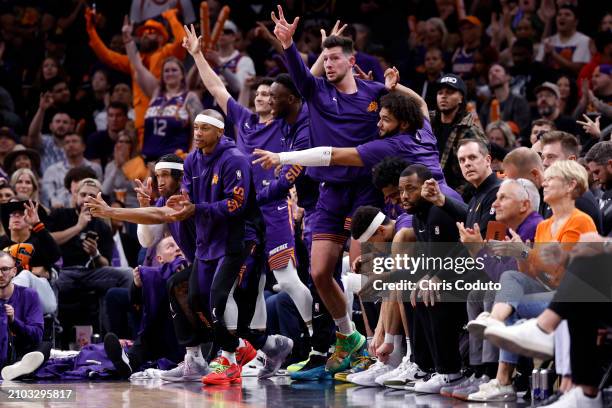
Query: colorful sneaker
(297,366)
(191,370)
(340,360)
(245,353)
(358,365)
(276,356)
(314,370)
(223,372)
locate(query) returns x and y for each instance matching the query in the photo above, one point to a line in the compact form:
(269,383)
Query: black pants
(584,299)
(156,342)
(14,355)
(421,353)
(442,327)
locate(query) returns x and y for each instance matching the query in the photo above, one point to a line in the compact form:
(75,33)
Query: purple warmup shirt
(403,221)
(28,324)
(253,134)
(494,265)
(183,232)
(420,148)
(337,119)
(219,184)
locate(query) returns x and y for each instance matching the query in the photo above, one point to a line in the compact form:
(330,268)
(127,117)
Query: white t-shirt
(576,49)
(142,10)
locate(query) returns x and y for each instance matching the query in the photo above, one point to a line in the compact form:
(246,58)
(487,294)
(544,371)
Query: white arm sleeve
(149,235)
(314,157)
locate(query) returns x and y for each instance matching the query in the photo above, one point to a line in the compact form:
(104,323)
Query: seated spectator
(540,269)
(100,144)
(87,247)
(503,105)
(27,186)
(8,141)
(597,103)
(21,157)
(499,132)
(72,179)
(6,191)
(538,128)
(569,94)
(526,73)
(122,93)
(548,98)
(116,183)
(22,223)
(53,178)
(599,161)
(21,328)
(569,49)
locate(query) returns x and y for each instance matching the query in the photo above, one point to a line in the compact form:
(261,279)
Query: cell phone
(496,231)
(91,235)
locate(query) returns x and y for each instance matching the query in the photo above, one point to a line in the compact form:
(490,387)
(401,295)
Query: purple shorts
(336,205)
(280,242)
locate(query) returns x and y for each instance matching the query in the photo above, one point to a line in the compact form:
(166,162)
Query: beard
(546,110)
(148,46)
(338,78)
(449,110)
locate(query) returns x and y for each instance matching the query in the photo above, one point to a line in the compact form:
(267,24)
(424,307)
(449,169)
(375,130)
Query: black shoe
(116,355)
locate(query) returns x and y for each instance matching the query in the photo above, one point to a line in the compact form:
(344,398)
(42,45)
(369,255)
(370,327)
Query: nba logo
(238,174)
(437,230)
(492,211)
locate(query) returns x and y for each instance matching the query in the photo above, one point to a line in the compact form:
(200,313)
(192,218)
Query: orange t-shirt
(578,223)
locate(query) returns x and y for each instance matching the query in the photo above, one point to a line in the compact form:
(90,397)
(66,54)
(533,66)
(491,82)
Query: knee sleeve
(290,282)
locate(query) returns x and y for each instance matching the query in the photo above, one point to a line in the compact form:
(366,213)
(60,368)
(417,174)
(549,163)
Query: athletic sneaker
(252,368)
(436,382)
(148,374)
(345,346)
(368,377)
(477,326)
(27,365)
(406,372)
(276,356)
(116,355)
(575,398)
(314,370)
(245,353)
(493,391)
(467,387)
(524,338)
(298,366)
(358,365)
(190,370)
(223,372)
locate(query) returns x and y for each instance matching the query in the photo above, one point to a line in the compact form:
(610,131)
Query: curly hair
(387,172)
(405,109)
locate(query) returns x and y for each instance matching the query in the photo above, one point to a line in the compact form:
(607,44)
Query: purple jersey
(253,134)
(337,119)
(167,126)
(220,186)
(403,221)
(420,148)
(183,232)
(27,327)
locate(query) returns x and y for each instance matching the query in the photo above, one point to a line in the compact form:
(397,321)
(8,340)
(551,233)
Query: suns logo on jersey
(215,179)
(238,198)
(373,106)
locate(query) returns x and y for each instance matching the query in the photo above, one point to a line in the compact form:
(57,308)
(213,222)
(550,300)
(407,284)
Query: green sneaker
(298,366)
(346,346)
(359,364)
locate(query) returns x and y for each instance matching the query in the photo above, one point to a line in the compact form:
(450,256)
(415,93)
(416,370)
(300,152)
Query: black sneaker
(116,355)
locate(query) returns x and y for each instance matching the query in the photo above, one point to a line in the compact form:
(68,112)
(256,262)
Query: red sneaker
(245,354)
(223,372)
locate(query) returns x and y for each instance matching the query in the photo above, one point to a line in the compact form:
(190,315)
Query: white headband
(376,222)
(169,166)
(201,118)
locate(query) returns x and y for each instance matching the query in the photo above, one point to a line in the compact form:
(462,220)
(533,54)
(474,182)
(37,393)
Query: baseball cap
(6,131)
(471,20)
(452,81)
(550,87)
(153,25)
(230,25)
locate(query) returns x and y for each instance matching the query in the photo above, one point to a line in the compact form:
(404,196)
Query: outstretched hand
(31,213)
(335,31)
(266,159)
(97,206)
(283,30)
(126,29)
(359,73)
(191,41)
(144,191)
(391,78)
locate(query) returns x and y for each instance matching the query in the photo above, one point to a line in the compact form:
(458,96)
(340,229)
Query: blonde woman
(26,185)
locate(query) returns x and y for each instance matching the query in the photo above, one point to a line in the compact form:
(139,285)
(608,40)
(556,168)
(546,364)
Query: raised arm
(321,156)
(176,27)
(110,58)
(145,79)
(393,85)
(212,82)
(33,138)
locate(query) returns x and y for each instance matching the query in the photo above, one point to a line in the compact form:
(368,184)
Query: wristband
(388,338)
(39,226)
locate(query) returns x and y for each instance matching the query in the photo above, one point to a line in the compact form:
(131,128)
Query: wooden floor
(279,392)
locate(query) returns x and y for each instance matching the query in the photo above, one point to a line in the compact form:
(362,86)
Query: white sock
(408,348)
(395,358)
(241,343)
(310,328)
(231,357)
(194,352)
(344,325)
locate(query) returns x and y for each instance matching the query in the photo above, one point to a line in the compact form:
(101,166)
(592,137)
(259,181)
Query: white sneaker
(252,368)
(191,370)
(405,372)
(276,356)
(493,391)
(148,374)
(368,377)
(27,365)
(575,398)
(436,382)
(477,326)
(525,338)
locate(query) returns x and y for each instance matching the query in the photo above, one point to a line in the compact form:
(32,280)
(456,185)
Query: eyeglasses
(5,269)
